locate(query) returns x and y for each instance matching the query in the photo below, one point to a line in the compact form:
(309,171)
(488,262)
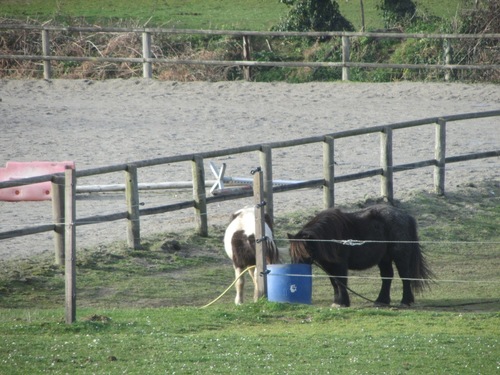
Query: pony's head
(299,248)
(314,243)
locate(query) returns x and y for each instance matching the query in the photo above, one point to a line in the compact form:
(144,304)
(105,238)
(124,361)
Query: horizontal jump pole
(173,185)
(237,193)
(141,186)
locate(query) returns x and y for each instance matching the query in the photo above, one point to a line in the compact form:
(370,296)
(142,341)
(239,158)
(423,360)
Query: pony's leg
(404,274)
(386,273)
(336,293)
(240,283)
(339,284)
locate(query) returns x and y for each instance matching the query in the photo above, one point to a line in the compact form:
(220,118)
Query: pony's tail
(421,273)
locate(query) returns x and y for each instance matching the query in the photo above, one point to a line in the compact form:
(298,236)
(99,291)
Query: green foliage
(318,51)
(421,51)
(373,50)
(397,12)
(313,15)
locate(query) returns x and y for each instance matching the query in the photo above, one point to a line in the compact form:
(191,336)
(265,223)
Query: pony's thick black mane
(331,224)
(321,225)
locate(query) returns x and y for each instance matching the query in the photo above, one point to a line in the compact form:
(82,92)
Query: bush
(313,15)
(397,12)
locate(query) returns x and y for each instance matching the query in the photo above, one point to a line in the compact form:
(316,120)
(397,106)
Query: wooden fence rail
(147,60)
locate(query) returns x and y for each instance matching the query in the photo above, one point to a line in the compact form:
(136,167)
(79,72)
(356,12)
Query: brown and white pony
(239,243)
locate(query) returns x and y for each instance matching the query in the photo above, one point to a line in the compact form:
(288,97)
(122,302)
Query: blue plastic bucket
(290,283)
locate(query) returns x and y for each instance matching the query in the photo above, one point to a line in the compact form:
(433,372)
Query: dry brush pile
(116,45)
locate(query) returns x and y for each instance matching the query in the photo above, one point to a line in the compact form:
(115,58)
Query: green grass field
(196,14)
(139,311)
(259,338)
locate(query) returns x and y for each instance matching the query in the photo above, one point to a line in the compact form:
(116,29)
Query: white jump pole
(214,185)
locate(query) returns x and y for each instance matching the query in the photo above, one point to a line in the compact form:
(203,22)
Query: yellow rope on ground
(229,287)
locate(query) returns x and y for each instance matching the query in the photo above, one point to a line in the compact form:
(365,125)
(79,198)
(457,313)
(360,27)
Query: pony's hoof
(404,306)
(337,306)
(381,304)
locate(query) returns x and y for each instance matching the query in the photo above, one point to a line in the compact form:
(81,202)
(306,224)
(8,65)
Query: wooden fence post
(147,69)
(247,74)
(386,183)
(447,58)
(199,195)
(440,156)
(58,217)
(362,9)
(260,231)
(329,172)
(47,73)
(133,215)
(346,57)
(70,242)
(266,163)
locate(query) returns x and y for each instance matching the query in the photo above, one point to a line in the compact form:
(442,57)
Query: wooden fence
(200,199)
(147,60)
(64,187)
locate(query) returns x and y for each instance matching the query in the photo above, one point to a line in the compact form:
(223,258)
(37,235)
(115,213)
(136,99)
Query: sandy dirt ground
(100,123)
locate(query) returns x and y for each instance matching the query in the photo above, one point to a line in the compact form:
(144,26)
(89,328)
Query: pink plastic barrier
(15,170)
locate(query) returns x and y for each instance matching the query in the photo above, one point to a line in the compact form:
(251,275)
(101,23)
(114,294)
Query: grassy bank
(446,16)
(139,311)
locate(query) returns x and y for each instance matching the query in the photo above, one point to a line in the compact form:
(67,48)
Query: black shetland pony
(381,235)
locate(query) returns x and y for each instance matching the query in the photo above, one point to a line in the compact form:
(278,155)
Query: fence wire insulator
(352,242)
(254,171)
(261,204)
(263,238)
